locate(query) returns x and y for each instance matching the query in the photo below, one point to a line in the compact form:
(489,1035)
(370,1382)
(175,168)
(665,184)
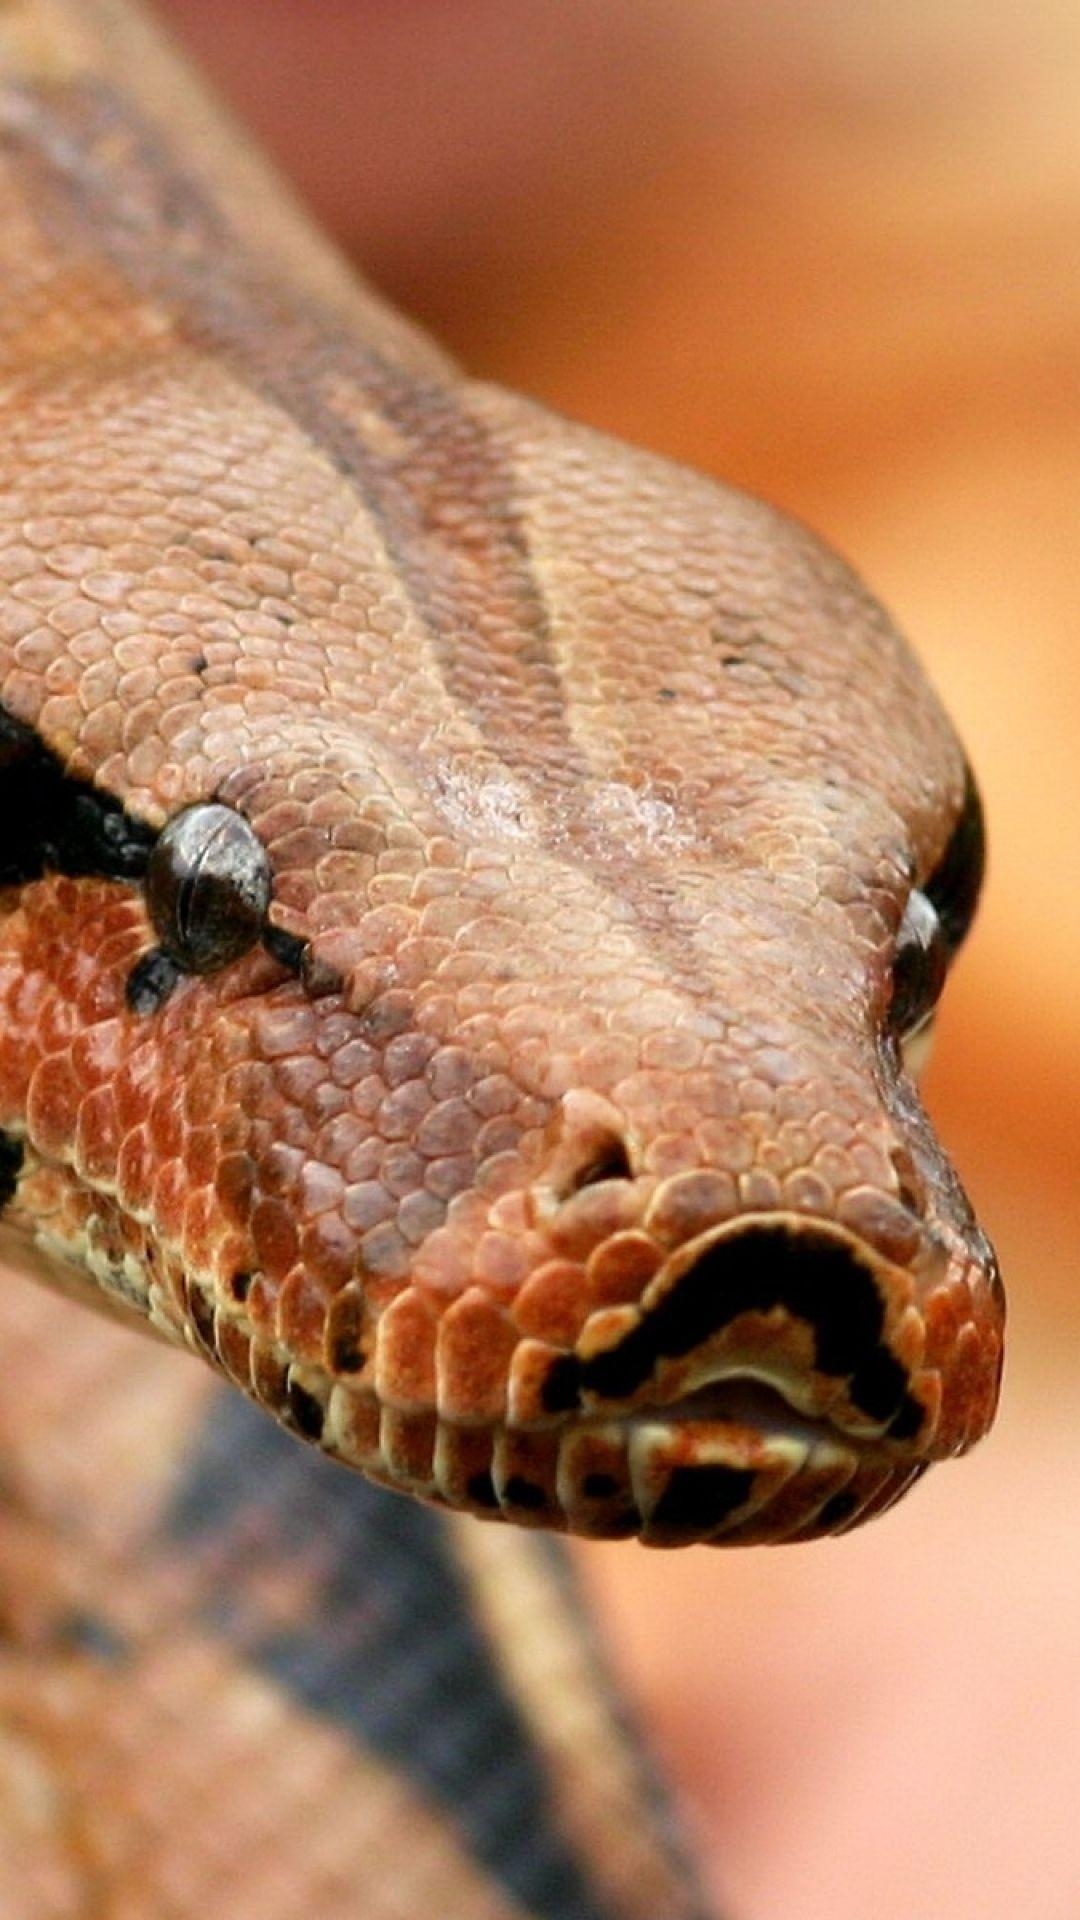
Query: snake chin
(735,1462)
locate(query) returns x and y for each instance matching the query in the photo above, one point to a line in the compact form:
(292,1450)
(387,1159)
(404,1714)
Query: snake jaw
(778,1379)
(725,1407)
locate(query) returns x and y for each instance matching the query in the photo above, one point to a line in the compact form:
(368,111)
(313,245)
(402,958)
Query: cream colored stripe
(596,1780)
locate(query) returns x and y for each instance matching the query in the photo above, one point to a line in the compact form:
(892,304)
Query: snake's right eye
(953,888)
(208,888)
(920,964)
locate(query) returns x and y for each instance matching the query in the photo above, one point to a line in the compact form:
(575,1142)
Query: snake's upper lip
(803,1309)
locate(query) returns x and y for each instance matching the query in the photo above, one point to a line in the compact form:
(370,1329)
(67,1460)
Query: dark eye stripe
(953,887)
(55,823)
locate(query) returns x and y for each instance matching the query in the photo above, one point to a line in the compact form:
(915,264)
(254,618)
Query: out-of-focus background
(831,252)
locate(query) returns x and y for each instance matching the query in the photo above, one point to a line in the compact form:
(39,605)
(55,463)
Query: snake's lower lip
(722,1480)
(736,1461)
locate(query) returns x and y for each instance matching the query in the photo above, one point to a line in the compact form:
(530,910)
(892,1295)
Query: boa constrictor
(466,892)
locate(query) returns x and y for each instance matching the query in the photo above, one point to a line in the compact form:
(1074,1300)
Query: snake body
(466,888)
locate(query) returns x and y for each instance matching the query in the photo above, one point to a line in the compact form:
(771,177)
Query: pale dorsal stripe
(598,1781)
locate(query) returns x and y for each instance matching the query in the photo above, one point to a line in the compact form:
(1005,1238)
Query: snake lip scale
(467,890)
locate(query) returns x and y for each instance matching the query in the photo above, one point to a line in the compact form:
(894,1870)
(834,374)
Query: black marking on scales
(55,823)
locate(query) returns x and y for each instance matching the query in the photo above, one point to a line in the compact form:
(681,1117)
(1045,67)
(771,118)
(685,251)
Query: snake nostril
(589,1143)
(605,1159)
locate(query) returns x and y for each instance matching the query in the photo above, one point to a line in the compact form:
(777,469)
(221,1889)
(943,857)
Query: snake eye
(207,888)
(953,887)
(920,964)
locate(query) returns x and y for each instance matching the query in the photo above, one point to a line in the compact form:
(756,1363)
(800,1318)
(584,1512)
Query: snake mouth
(767,1386)
(745,1401)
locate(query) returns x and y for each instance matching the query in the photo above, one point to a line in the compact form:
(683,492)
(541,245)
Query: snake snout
(771,1385)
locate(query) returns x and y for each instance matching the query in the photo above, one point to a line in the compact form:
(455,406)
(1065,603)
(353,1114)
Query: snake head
(465,998)
(743,1297)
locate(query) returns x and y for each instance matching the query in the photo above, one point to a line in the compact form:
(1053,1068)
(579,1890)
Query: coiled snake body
(466,890)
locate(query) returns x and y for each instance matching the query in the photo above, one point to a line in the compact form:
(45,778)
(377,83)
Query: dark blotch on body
(286,948)
(519,1492)
(599,1486)
(561,1392)
(608,1160)
(346,1355)
(202,1317)
(837,1510)
(905,1423)
(345,1336)
(87,1633)
(151,981)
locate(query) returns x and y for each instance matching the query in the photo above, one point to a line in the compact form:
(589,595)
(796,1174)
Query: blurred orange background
(831,252)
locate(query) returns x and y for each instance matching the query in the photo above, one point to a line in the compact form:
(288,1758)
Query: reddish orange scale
(619,1271)
(301,1315)
(553,1304)
(475,1342)
(97,1136)
(405,1370)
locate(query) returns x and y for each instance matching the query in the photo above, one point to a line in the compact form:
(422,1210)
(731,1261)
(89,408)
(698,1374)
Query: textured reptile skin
(551,1156)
